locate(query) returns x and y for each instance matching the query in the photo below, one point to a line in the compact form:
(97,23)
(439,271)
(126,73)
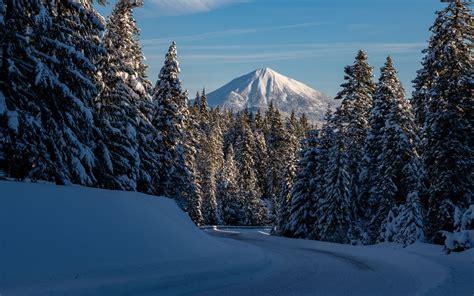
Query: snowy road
(298,267)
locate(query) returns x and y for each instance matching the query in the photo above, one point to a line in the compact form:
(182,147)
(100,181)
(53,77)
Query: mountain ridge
(258,88)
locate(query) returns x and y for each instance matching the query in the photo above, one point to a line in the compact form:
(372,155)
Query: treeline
(382,169)
(76,107)
(244,163)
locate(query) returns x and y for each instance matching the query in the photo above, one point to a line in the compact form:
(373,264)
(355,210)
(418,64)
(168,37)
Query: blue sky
(308,40)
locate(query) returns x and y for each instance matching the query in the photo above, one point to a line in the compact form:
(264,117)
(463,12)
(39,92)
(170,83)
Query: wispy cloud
(321,46)
(226,33)
(181,7)
(281,52)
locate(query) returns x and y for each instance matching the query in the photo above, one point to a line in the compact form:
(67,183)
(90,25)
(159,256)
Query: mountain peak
(258,88)
(265,70)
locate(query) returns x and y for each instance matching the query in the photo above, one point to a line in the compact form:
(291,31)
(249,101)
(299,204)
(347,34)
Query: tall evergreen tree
(335,210)
(74,42)
(208,160)
(212,159)
(253,209)
(397,172)
(290,160)
(192,142)
(277,144)
(261,166)
(175,179)
(230,203)
(356,102)
(49,51)
(306,193)
(447,137)
(374,140)
(304,125)
(204,107)
(22,135)
(125,126)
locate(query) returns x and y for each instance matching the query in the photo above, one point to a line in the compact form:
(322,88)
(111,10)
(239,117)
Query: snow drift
(52,236)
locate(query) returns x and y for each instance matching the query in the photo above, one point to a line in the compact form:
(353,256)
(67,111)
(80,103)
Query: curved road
(301,267)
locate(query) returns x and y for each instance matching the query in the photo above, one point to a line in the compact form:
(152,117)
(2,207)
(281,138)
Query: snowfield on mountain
(71,240)
(261,87)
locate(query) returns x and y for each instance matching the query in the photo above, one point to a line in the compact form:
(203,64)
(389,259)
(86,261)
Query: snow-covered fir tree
(124,109)
(196,103)
(369,168)
(290,160)
(261,157)
(447,136)
(171,113)
(73,41)
(254,212)
(397,173)
(335,216)
(230,202)
(356,102)
(305,193)
(410,224)
(210,157)
(22,135)
(277,144)
(303,126)
(192,143)
(262,166)
(49,52)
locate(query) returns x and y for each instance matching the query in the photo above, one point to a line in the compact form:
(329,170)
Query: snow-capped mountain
(262,86)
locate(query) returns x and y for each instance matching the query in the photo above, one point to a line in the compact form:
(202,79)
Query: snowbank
(52,236)
(58,240)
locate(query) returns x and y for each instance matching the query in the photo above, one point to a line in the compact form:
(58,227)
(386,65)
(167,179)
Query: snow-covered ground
(80,241)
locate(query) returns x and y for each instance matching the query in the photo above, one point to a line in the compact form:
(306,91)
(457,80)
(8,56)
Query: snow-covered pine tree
(319,182)
(204,107)
(261,157)
(305,193)
(447,138)
(277,144)
(22,136)
(125,90)
(192,142)
(290,160)
(57,44)
(141,85)
(369,172)
(395,181)
(170,119)
(410,223)
(230,203)
(356,102)
(210,158)
(191,139)
(326,142)
(335,216)
(261,165)
(71,49)
(196,104)
(3,134)
(304,126)
(253,208)
(230,132)
(259,122)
